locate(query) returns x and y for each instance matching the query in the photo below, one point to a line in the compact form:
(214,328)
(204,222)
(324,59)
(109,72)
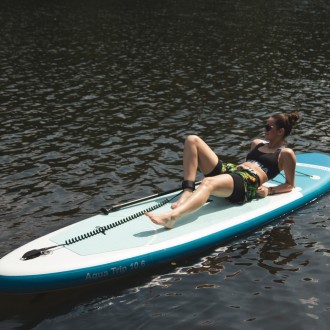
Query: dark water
(96,98)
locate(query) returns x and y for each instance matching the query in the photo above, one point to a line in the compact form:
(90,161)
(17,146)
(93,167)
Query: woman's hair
(286,121)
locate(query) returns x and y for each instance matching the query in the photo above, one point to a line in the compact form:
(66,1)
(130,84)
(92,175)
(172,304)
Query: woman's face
(270,128)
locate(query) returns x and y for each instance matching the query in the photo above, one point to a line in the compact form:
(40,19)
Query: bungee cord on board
(98,230)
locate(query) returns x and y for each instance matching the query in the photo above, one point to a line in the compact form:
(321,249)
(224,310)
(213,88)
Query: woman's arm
(287,163)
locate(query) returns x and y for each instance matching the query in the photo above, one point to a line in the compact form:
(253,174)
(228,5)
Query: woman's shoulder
(287,154)
(286,150)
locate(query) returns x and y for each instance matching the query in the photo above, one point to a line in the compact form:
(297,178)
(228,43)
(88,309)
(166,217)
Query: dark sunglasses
(268,127)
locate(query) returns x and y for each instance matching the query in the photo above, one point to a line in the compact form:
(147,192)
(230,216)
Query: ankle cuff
(186,184)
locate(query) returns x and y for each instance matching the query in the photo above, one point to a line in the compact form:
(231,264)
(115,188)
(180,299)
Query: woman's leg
(196,155)
(220,185)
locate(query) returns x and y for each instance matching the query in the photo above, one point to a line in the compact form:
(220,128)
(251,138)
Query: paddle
(106,211)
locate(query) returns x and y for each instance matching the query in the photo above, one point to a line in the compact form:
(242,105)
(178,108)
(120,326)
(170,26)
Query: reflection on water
(276,252)
(96,98)
(279,251)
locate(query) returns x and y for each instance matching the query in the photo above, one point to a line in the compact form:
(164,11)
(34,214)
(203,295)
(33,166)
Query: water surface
(96,98)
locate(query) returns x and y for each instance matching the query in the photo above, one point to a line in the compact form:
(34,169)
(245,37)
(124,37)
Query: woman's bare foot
(185,195)
(164,219)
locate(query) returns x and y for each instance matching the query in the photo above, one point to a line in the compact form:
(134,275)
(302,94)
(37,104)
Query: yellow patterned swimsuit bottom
(250,181)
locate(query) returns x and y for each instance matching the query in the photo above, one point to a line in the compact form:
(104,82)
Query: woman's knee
(192,139)
(208,183)
(221,185)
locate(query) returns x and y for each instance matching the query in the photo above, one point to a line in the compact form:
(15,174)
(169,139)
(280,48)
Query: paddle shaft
(142,199)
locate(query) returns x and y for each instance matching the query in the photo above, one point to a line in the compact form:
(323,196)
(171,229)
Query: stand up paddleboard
(124,241)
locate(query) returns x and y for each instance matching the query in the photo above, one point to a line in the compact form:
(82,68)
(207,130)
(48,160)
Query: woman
(238,183)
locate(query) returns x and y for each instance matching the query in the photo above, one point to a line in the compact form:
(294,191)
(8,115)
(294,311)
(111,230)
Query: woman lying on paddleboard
(238,183)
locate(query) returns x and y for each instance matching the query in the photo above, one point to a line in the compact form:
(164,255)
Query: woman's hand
(262,191)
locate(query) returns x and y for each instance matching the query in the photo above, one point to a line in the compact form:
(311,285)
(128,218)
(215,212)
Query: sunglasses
(268,127)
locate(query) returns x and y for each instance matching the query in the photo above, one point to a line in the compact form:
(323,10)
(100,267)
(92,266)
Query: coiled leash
(98,230)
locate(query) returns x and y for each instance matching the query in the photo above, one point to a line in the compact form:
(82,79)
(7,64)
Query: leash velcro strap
(187,184)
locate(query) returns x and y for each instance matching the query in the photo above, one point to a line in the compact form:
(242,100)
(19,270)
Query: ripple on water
(96,100)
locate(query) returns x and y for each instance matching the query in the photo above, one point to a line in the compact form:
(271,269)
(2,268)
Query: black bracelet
(271,191)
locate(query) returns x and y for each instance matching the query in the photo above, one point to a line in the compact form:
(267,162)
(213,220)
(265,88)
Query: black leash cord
(103,229)
(99,230)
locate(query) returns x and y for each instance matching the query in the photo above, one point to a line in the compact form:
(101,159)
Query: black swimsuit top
(268,162)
